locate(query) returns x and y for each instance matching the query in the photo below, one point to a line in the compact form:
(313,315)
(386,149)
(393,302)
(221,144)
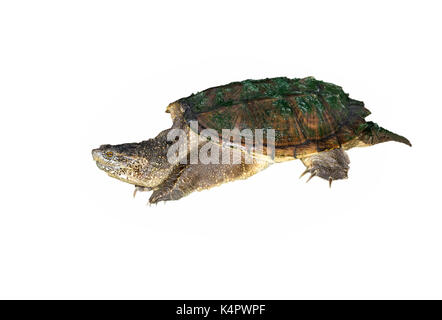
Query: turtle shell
(308,115)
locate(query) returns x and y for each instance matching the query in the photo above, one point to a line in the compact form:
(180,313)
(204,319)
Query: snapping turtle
(313,121)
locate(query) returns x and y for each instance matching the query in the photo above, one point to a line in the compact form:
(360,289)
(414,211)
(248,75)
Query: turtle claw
(141,189)
(311,176)
(304,173)
(312,172)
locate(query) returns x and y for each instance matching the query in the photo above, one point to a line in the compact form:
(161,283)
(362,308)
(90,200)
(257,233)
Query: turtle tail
(371,133)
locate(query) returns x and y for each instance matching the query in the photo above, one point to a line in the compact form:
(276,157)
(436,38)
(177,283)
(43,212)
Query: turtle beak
(96,154)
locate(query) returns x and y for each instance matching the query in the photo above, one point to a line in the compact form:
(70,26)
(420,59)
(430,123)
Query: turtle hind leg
(371,133)
(329,165)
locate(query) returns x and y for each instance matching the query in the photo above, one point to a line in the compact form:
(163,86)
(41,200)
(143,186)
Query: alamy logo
(206,147)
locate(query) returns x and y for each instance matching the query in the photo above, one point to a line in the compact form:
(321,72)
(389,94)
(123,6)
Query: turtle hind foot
(329,165)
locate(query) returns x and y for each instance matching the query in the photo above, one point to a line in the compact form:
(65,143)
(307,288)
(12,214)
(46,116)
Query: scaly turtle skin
(314,121)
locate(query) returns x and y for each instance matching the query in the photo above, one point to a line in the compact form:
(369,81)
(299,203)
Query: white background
(77,74)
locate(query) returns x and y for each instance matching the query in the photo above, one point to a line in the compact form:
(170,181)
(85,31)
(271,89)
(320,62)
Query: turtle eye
(109,154)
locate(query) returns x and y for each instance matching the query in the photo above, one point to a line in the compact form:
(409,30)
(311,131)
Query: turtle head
(142,164)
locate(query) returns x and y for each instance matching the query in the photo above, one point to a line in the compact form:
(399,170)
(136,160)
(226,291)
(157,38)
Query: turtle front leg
(197,177)
(329,165)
